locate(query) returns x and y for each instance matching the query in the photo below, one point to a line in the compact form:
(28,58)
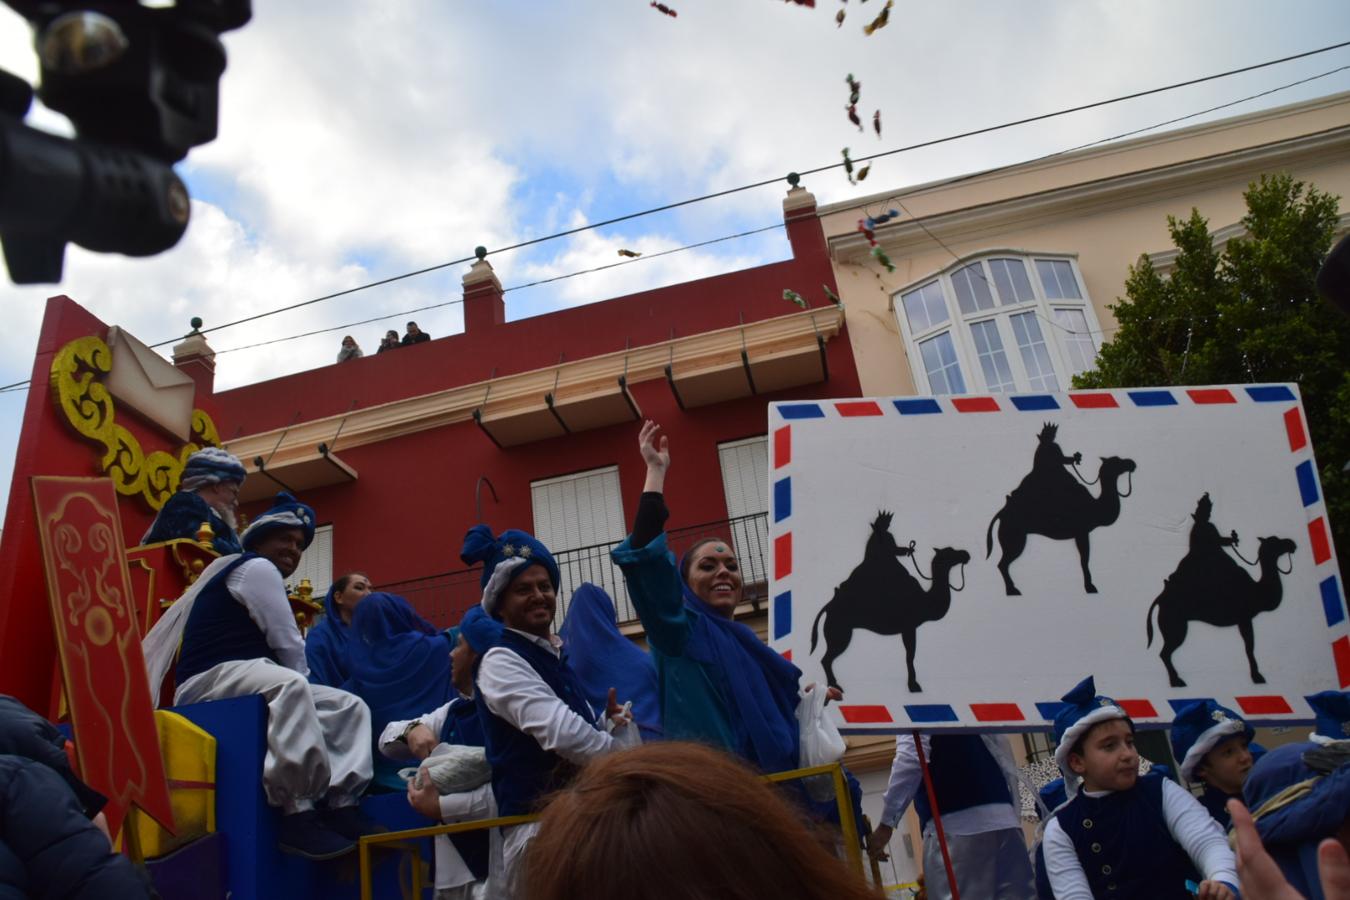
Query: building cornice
(1123,190)
(285,446)
(1164,260)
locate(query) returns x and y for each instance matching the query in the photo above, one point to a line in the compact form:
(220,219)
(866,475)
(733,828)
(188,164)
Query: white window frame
(753,565)
(958,323)
(594,565)
(319,551)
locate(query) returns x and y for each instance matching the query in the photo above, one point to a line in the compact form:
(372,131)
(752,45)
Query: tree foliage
(1248,312)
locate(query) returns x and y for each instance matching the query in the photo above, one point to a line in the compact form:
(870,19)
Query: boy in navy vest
(538,724)
(1213,745)
(975,788)
(239,637)
(1120,834)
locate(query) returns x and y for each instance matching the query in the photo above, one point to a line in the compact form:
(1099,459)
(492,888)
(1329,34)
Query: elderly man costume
(537,721)
(206,493)
(239,637)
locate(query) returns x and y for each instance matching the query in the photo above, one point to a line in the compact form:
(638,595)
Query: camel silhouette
(1050,502)
(1216,590)
(879,599)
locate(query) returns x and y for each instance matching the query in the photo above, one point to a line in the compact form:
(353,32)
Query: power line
(758,184)
(717,194)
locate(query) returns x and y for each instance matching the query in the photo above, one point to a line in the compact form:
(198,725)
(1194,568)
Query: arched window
(1002,322)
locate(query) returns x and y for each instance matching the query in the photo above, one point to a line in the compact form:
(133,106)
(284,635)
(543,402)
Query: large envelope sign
(961,562)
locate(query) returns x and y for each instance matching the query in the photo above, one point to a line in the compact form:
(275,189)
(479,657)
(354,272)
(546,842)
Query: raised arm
(648,567)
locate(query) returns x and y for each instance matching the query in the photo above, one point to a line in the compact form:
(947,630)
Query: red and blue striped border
(994,714)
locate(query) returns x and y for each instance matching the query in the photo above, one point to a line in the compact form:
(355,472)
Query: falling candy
(881,20)
(865,226)
(862,173)
(854,89)
(876,122)
(839,19)
(853,116)
(882,258)
(661,7)
(885,217)
(833,297)
(795,297)
(848,165)
(631,254)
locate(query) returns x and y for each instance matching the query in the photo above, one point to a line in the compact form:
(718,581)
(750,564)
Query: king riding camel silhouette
(880,595)
(1209,586)
(1051,502)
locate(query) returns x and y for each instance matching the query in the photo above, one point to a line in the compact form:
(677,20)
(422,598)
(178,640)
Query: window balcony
(442,599)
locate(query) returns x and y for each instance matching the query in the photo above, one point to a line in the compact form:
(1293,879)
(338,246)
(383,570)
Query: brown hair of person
(679,821)
(688,559)
(341,584)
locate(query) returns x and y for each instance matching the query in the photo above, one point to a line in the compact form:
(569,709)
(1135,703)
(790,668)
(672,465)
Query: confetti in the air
(853,116)
(881,20)
(794,297)
(631,254)
(662,8)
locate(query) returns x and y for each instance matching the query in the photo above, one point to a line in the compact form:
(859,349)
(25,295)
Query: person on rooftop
(388,342)
(350,349)
(415,335)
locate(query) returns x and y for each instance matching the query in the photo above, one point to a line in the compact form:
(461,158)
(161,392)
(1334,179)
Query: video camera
(141,86)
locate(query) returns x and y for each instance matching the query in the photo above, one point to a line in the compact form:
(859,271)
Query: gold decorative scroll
(80,395)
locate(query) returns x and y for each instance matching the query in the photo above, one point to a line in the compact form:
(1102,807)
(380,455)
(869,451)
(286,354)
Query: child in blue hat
(1213,745)
(1120,834)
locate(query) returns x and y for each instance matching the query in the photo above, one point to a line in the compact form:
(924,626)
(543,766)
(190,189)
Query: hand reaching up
(656,454)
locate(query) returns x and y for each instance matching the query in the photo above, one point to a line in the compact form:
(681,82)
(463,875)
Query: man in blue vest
(538,724)
(239,637)
(975,784)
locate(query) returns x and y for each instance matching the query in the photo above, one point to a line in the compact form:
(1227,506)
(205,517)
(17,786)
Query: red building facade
(535,421)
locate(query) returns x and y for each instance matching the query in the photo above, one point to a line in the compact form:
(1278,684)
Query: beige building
(1003,279)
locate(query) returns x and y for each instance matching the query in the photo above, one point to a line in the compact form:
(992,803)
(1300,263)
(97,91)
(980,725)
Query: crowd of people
(350,349)
(644,763)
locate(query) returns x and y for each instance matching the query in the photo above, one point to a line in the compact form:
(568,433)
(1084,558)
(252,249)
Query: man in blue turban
(238,637)
(537,721)
(208,491)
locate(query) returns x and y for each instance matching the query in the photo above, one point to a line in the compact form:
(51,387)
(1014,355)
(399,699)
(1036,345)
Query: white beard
(228,514)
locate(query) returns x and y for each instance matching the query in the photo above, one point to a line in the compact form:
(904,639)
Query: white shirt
(907,780)
(392,747)
(258,586)
(1189,823)
(514,692)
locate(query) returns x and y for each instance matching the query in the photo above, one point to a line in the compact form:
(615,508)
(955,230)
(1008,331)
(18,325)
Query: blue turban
(399,664)
(211,465)
(1083,707)
(480,630)
(603,658)
(512,551)
(286,512)
(1200,727)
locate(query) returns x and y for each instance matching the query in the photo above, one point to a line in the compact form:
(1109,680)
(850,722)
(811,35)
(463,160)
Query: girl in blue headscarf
(400,665)
(326,642)
(720,684)
(603,659)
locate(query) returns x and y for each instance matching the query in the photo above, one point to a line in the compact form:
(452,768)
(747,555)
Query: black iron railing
(442,599)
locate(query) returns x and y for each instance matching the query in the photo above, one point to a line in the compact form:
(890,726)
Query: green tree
(1246,313)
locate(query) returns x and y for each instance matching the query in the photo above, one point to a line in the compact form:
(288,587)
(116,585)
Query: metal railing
(442,599)
(403,839)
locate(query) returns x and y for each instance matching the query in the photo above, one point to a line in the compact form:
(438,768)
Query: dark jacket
(49,848)
(25,733)
(415,338)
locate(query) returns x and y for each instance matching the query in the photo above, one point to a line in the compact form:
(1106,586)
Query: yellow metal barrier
(848,826)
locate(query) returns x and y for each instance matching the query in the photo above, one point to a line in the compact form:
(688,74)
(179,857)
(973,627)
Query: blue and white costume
(239,637)
(1145,841)
(184,512)
(537,721)
(1198,728)
(326,644)
(975,783)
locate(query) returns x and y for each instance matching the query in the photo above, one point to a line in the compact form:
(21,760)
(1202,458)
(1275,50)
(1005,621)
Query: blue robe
(326,646)
(603,658)
(182,517)
(400,665)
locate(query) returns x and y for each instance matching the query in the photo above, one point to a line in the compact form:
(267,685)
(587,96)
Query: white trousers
(318,738)
(506,868)
(991,865)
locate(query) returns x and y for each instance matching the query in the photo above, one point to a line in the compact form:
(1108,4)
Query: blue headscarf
(399,665)
(480,630)
(761,686)
(603,658)
(326,645)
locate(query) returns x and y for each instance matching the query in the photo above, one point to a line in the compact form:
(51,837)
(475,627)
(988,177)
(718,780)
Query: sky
(364,140)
